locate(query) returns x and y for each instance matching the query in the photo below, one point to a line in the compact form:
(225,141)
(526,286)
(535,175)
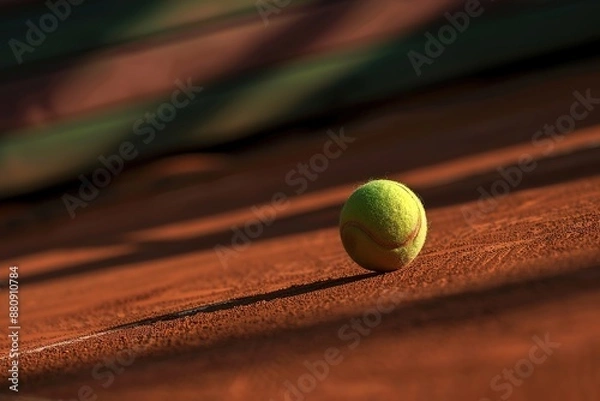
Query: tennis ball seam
(411,194)
(413,234)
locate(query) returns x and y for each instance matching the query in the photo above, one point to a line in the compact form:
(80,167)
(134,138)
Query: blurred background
(88,85)
(139,138)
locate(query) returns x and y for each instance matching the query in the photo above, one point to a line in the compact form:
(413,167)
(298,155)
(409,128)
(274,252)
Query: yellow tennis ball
(383,225)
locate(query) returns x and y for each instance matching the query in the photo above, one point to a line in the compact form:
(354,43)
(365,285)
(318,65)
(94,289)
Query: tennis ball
(383,225)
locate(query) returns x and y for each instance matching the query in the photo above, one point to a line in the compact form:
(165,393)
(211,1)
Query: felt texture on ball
(383,225)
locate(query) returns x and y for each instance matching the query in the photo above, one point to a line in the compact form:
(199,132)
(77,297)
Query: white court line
(61,343)
(103,333)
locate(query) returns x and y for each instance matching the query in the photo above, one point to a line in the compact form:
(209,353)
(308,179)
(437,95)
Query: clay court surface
(130,300)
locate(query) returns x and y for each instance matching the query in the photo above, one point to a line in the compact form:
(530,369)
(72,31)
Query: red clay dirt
(494,281)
